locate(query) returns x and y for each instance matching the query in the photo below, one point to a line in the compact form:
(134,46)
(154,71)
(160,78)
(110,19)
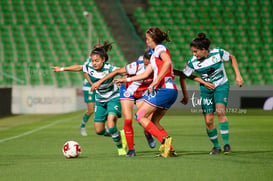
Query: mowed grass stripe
(37,129)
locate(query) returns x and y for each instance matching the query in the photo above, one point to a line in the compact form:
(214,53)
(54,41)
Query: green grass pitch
(31,150)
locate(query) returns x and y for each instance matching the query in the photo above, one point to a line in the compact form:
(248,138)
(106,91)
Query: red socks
(151,128)
(129,133)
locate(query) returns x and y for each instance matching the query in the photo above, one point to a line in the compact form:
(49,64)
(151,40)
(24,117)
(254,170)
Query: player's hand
(95,86)
(119,81)
(239,81)
(209,85)
(56,68)
(185,100)
(152,86)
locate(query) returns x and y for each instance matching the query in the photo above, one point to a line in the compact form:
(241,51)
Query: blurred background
(37,34)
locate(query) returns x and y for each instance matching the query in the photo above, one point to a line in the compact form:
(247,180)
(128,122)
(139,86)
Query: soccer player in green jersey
(89,96)
(214,86)
(107,97)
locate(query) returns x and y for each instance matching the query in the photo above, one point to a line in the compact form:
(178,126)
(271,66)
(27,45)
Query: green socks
(213,137)
(224,130)
(115,136)
(84,120)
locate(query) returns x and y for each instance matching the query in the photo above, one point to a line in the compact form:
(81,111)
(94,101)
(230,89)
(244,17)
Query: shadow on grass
(189,153)
(183,153)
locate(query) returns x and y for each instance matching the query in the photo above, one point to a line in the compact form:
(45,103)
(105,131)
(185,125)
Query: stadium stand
(35,34)
(243,27)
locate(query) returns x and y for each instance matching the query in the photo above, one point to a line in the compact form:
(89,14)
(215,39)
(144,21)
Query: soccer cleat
(167,147)
(123,139)
(131,153)
(150,139)
(173,153)
(215,151)
(83,132)
(227,149)
(121,151)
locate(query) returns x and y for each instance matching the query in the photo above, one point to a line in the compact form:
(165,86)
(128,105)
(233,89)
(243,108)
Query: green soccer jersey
(108,90)
(210,69)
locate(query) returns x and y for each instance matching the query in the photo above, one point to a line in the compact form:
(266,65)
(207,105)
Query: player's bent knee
(139,115)
(101,133)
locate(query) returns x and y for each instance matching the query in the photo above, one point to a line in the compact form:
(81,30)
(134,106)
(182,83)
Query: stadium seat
(237,26)
(43,32)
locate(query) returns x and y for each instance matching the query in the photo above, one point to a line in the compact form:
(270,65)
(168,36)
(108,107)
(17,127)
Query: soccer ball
(71,149)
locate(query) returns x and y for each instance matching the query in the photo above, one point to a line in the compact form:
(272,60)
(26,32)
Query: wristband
(128,79)
(62,69)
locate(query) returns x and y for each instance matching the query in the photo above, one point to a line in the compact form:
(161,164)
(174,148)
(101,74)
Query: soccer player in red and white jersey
(131,93)
(162,91)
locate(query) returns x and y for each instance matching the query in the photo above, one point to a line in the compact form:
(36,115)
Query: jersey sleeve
(159,49)
(131,69)
(225,55)
(188,70)
(84,67)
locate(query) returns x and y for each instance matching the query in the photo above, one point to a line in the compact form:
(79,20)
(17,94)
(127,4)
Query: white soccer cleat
(83,132)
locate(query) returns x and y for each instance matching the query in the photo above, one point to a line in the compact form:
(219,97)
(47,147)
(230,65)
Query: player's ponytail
(158,35)
(101,52)
(102,49)
(200,42)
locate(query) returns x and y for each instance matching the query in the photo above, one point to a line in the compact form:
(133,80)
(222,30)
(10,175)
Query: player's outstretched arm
(74,68)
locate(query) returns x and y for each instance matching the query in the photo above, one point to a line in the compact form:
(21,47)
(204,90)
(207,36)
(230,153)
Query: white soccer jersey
(137,88)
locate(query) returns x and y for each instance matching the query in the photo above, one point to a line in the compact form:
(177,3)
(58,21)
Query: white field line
(36,130)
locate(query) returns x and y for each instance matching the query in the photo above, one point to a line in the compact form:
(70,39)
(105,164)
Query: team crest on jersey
(126,94)
(105,73)
(214,59)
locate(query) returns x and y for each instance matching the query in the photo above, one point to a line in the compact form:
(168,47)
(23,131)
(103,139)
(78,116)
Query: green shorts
(103,109)
(88,96)
(212,97)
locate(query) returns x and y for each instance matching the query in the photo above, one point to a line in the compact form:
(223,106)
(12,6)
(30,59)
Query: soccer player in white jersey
(214,86)
(89,97)
(130,93)
(107,99)
(162,91)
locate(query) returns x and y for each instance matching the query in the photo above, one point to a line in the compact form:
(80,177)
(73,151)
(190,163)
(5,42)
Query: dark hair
(102,50)
(158,35)
(147,55)
(200,42)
